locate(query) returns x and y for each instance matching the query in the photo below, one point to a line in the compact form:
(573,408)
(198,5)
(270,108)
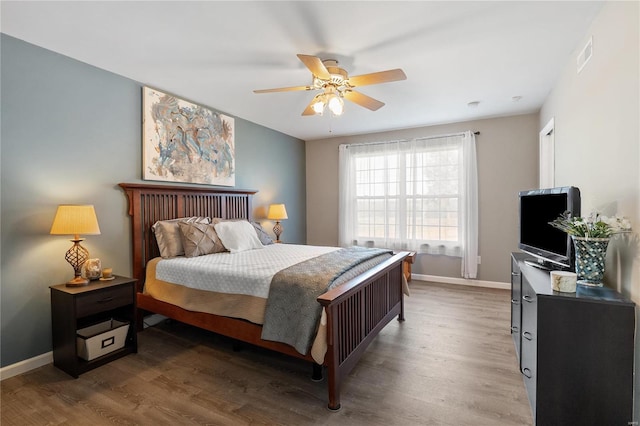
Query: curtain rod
(475,132)
(406,140)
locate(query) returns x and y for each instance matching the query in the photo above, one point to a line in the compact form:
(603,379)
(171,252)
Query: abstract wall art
(186,142)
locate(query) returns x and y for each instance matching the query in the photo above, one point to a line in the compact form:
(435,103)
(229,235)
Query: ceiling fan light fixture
(336,104)
(318,105)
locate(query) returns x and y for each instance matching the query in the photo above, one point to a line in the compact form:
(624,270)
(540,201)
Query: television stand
(544,265)
(575,350)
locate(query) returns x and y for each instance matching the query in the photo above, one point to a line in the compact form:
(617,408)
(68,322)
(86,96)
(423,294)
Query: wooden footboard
(356,311)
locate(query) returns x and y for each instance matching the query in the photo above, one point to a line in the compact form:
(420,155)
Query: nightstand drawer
(104,300)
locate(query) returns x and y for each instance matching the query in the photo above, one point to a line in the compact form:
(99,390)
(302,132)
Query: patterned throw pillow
(168,235)
(199,239)
(264,238)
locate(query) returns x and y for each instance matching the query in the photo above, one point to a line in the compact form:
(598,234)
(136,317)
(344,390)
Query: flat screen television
(552,248)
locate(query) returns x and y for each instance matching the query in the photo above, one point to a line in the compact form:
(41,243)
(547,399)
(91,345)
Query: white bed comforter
(248,272)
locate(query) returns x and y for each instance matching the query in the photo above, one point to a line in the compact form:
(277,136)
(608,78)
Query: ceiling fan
(335,84)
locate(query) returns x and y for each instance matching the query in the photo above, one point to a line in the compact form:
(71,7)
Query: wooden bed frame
(356,311)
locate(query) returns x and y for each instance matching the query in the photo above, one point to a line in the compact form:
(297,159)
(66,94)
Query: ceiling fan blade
(283,89)
(363,100)
(316,66)
(377,78)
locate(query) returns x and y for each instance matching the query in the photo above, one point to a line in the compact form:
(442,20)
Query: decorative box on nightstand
(75,308)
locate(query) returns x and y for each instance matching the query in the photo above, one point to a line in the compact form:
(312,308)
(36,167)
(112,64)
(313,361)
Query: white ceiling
(215,53)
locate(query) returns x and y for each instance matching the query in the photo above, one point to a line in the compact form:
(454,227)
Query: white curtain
(387,192)
(469,199)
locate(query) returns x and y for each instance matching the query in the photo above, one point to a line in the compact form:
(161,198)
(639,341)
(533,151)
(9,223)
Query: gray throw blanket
(292,312)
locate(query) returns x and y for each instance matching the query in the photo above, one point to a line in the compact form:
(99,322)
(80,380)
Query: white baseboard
(26,365)
(462,281)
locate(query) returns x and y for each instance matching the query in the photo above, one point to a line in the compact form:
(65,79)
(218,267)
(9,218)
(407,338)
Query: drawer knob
(514,301)
(515,274)
(514,329)
(527,298)
(526,373)
(527,335)
(105,300)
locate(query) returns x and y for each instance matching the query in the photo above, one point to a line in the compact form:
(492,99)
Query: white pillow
(238,236)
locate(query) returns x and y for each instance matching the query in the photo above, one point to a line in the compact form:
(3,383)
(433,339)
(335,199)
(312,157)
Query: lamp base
(77,282)
(76,256)
(277,230)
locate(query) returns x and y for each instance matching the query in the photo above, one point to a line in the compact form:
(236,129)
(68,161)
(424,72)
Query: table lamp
(277,212)
(75,220)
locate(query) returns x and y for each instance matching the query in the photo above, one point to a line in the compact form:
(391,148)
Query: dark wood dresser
(575,350)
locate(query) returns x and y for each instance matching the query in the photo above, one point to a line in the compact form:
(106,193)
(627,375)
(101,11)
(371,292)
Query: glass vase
(590,258)
(92,269)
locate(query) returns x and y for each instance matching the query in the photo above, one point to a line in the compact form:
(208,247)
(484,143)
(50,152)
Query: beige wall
(597,116)
(507,163)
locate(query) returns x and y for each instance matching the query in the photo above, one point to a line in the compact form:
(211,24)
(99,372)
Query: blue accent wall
(70,133)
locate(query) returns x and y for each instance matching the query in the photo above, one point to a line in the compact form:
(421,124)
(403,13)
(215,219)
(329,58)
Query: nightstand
(406,265)
(73,308)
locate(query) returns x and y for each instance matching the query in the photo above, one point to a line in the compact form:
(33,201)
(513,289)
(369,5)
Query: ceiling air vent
(585,54)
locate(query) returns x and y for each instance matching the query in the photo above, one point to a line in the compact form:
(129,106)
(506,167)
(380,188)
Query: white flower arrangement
(594,226)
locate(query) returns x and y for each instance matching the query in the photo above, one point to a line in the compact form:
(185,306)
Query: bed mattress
(187,283)
(248,272)
(241,283)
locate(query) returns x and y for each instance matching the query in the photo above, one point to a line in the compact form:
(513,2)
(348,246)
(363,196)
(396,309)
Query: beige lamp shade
(277,212)
(75,220)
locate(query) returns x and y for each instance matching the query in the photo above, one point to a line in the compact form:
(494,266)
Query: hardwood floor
(452,362)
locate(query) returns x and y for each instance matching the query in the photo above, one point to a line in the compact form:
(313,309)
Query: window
(408,195)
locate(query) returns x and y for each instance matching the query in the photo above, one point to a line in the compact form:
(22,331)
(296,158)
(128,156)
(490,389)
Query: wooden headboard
(150,203)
